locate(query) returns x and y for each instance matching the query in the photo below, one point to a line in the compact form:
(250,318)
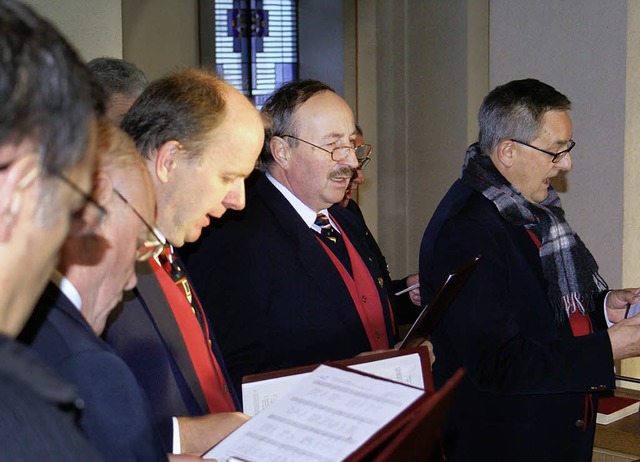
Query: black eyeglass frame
(102,212)
(557,156)
(162,240)
(361,158)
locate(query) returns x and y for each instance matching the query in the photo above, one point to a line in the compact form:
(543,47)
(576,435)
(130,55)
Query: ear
(505,153)
(281,151)
(17,177)
(166,160)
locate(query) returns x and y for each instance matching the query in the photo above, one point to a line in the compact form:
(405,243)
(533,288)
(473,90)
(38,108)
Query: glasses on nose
(88,216)
(153,242)
(363,154)
(341,152)
(557,156)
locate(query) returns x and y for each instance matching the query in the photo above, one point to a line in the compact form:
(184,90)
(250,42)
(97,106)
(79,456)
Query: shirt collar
(67,288)
(307,215)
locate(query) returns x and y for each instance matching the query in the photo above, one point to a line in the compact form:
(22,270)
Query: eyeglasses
(341,152)
(557,156)
(154,241)
(88,217)
(363,154)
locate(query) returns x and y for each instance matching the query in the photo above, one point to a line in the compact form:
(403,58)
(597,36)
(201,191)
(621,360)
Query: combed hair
(185,106)
(118,76)
(47,93)
(280,108)
(515,111)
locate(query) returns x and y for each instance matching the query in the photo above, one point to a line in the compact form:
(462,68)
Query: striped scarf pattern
(569,268)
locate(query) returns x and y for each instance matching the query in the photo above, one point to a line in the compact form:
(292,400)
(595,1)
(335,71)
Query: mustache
(341,172)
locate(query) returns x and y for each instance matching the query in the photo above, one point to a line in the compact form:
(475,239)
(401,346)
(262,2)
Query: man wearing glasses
(47,143)
(199,139)
(290,281)
(530,325)
(93,272)
(406,302)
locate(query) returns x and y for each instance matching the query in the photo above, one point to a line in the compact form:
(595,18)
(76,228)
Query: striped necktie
(327,230)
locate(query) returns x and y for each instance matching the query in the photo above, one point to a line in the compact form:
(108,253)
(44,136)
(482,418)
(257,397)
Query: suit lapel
(152,297)
(310,253)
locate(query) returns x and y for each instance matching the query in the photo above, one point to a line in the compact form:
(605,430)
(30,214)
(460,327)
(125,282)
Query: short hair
(118,76)
(280,107)
(359,130)
(115,149)
(185,106)
(47,93)
(515,110)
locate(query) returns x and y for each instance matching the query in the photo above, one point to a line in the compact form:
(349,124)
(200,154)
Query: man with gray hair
(48,104)
(122,81)
(530,325)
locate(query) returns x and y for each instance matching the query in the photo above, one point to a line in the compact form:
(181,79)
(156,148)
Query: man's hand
(618,302)
(625,338)
(199,434)
(414,295)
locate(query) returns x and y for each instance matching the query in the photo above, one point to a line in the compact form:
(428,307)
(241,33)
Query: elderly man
(47,138)
(199,138)
(93,272)
(123,82)
(405,313)
(290,281)
(529,326)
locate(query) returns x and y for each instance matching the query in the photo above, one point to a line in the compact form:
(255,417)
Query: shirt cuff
(176,436)
(606,318)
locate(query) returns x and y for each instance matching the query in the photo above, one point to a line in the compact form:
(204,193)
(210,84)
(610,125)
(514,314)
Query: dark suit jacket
(144,332)
(116,416)
(523,396)
(274,297)
(38,411)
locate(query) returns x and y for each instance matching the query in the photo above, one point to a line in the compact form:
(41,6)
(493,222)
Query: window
(256,45)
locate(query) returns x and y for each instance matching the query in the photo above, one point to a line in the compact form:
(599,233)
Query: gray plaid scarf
(569,268)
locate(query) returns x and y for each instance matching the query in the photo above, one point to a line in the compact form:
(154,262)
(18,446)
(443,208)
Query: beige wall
(160,35)
(93,26)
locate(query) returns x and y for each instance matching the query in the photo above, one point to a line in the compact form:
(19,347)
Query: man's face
(358,176)
(206,187)
(318,181)
(118,105)
(123,231)
(52,220)
(533,169)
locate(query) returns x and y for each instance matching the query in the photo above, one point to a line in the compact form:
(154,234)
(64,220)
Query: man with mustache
(290,281)
(530,325)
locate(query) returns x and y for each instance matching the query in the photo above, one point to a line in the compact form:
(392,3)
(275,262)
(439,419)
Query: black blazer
(527,378)
(274,297)
(116,416)
(144,332)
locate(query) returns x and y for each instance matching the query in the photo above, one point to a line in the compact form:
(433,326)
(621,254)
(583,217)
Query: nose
(359,177)
(351,160)
(235,198)
(565,163)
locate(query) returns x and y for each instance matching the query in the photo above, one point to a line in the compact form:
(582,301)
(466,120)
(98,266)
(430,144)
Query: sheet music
(327,416)
(256,396)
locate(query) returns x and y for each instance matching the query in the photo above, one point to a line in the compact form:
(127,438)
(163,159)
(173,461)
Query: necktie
(325,226)
(171,266)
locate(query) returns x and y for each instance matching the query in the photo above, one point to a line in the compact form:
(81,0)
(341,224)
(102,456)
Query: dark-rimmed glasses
(363,154)
(154,241)
(557,156)
(341,152)
(88,217)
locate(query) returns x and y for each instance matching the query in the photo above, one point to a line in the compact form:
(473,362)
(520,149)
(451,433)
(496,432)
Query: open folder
(410,366)
(339,414)
(438,305)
